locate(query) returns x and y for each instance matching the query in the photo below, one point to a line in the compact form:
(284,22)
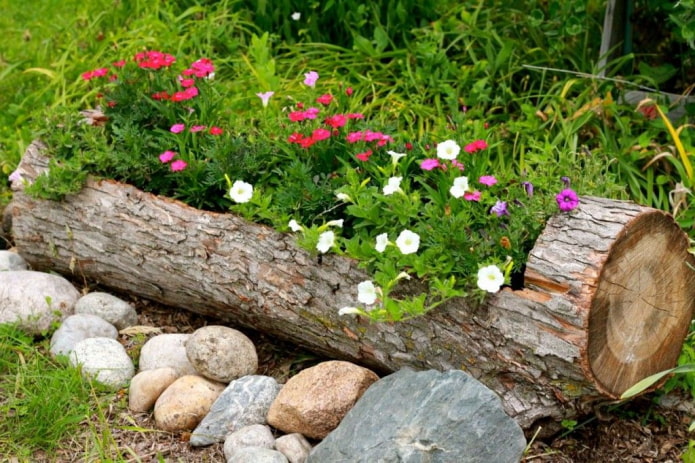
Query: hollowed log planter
(608,296)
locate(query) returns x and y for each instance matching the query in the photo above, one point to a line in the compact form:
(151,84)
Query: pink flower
(118,64)
(475,146)
(177,128)
(372,136)
(429,164)
(457,164)
(178,165)
(265,97)
(167,156)
(311,113)
(89,75)
(472,195)
(487,180)
(214,130)
(320,134)
(354,137)
(197,128)
(185,83)
(202,67)
(310,78)
(349,91)
(306,142)
(336,121)
(297,116)
(355,116)
(325,99)
(364,156)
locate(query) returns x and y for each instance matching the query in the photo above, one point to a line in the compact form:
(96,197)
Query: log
(607,297)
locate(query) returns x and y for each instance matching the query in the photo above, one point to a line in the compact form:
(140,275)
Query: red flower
(336,121)
(325,99)
(296,137)
(364,156)
(320,134)
(297,116)
(349,91)
(214,130)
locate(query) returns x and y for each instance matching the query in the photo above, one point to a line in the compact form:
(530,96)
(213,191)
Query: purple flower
(566,181)
(567,200)
(15,176)
(500,208)
(528,186)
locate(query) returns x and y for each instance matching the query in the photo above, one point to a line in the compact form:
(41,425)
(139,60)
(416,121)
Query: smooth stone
(105,360)
(185,402)
(256,455)
(35,300)
(11,261)
(255,435)
(166,350)
(314,401)
(147,386)
(425,416)
(244,402)
(112,309)
(78,327)
(221,353)
(294,446)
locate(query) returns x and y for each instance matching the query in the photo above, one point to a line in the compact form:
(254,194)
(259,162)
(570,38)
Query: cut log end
(643,304)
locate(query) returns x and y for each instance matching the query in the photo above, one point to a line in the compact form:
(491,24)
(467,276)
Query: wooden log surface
(607,300)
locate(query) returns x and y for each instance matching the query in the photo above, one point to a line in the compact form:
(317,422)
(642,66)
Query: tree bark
(607,300)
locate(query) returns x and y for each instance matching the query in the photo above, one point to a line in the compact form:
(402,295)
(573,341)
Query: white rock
(255,435)
(167,350)
(11,261)
(105,360)
(147,386)
(77,327)
(221,353)
(112,309)
(294,446)
(35,299)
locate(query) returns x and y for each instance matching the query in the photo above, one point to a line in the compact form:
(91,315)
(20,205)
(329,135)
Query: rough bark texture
(608,294)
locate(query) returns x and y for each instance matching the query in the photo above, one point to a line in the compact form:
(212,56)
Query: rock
(255,435)
(185,402)
(112,309)
(244,402)
(103,359)
(294,446)
(35,300)
(166,350)
(256,455)
(221,353)
(314,401)
(77,327)
(147,386)
(11,261)
(426,416)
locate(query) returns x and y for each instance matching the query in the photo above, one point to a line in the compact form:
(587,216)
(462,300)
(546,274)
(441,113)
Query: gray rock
(427,416)
(35,300)
(221,353)
(167,350)
(104,360)
(11,261)
(112,309)
(294,446)
(255,435)
(256,455)
(244,402)
(77,327)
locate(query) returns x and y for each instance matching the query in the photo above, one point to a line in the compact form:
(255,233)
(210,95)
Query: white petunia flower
(490,278)
(448,149)
(408,242)
(335,223)
(381,242)
(460,186)
(241,192)
(326,241)
(343,197)
(393,185)
(367,292)
(349,310)
(294,226)
(296,15)
(395,156)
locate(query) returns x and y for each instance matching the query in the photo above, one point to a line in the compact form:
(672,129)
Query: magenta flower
(335,121)
(475,146)
(472,195)
(500,208)
(178,165)
(487,180)
(429,164)
(354,137)
(567,200)
(320,134)
(167,156)
(311,113)
(177,128)
(185,83)
(310,78)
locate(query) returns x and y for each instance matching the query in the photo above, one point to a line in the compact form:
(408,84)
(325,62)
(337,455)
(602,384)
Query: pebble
(147,386)
(185,402)
(167,350)
(294,446)
(78,327)
(256,455)
(314,401)
(221,353)
(104,360)
(255,435)
(112,309)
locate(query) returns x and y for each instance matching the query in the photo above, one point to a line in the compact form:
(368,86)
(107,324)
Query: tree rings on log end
(643,303)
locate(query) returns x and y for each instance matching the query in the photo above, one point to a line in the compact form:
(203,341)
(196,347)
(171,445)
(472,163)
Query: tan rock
(185,402)
(147,386)
(314,401)
(221,353)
